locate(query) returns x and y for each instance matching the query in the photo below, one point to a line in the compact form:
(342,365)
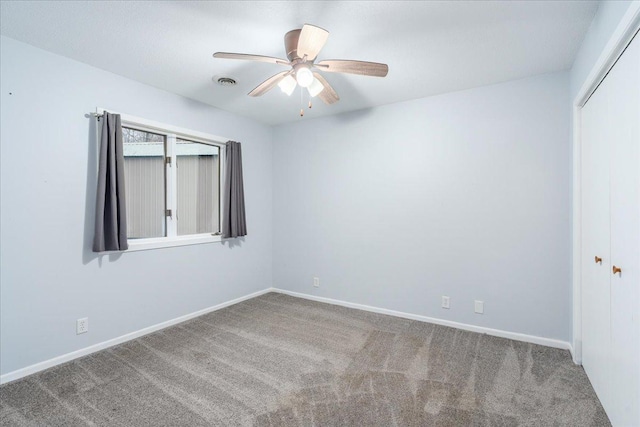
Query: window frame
(172,134)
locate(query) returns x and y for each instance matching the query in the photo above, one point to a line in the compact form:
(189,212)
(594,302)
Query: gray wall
(466,194)
(49,276)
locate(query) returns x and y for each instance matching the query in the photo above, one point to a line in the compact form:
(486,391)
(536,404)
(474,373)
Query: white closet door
(624,123)
(596,333)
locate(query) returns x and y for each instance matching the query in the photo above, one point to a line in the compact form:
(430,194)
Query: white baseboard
(549,342)
(20,373)
(29,370)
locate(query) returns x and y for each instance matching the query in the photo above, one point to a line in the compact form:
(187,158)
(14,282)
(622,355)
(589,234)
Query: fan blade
(328,95)
(247,57)
(354,67)
(268,84)
(311,40)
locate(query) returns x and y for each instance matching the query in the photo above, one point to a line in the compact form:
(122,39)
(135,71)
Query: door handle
(598,260)
(617,270)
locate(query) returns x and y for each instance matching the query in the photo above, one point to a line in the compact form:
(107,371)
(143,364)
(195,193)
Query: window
(145,182)
(198,175)
(172,184)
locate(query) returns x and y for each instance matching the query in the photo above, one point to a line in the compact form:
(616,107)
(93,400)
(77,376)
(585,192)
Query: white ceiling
(431,47)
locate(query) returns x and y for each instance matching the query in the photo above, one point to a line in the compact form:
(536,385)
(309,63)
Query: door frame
(626,29)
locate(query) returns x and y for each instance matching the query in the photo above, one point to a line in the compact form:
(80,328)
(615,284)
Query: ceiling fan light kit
(304,76)
(315,88)
(288,85)
(302,47)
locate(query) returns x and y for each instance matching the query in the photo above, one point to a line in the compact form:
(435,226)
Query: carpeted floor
(276,360)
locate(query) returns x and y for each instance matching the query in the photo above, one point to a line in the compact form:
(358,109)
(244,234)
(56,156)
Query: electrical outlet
(445,302)
(82,325)
(479,307)
(316,282)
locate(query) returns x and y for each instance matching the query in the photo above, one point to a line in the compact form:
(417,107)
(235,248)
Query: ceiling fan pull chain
(301,102)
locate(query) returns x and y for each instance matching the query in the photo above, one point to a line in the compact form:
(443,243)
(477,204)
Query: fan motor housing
(291,44)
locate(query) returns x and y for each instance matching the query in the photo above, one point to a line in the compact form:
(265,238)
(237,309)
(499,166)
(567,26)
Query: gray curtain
(111,220)
(234,223)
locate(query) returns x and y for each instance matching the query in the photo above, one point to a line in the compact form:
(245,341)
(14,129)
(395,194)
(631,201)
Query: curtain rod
(96,115)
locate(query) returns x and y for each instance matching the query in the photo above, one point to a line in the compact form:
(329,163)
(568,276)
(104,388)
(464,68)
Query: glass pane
(144,183)
(198,187)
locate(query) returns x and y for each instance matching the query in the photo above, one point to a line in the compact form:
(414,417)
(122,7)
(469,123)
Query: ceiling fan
(302,47)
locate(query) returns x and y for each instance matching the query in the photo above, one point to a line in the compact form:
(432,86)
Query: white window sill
(170,242)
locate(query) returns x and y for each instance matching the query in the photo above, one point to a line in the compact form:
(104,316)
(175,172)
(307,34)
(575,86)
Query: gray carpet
(276,360)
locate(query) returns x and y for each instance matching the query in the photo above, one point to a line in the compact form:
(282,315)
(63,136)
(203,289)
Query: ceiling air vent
(226,81)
